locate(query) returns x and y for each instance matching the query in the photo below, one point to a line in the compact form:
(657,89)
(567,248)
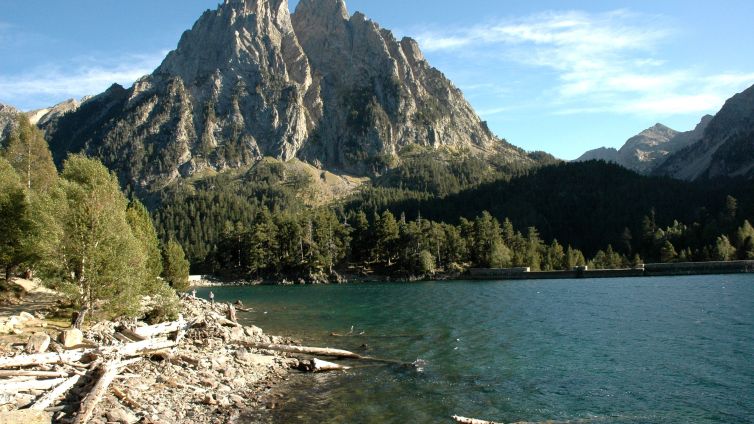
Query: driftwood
(47,400)
(333,353)
(320,351)
(155,330)
(27,373)
(109,370)
(44,358)
(464,420)
(25,386)
(318,365)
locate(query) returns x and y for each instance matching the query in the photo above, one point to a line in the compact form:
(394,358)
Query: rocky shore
(206,376)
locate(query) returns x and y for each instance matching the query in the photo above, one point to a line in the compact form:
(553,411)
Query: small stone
(121,416)
(237,334)
(253,331)
(71,338)
(38,343)
(209,399)
(238,400)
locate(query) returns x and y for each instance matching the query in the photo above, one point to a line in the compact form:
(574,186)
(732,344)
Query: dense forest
(78,231)
(431,215)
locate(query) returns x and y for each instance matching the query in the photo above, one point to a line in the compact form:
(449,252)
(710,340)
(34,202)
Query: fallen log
(44,358)
(127,350)
(318,365)
(464,420)
(155,330)
(48,399)
(334,353)
(25,386)
(319,351)
(109,370)
(27,373)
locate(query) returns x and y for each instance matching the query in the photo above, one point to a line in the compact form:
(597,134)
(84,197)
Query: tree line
(78,231)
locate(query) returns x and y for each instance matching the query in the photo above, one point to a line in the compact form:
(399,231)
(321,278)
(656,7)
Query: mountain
(648,149)
(726,148)
(8,117)
(45,117)
(251,80)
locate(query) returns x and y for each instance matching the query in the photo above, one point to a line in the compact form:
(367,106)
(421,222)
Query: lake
(631,350)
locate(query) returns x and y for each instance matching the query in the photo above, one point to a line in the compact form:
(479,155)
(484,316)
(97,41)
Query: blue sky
(559,76)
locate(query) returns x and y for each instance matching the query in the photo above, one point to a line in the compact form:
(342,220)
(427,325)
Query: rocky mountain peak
(250,80)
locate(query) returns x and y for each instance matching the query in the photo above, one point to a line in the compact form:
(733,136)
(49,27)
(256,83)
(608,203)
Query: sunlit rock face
(251,80)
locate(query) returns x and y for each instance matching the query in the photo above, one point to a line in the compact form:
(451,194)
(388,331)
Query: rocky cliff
(251,80)
(726,147)
(8,117)
(650,148)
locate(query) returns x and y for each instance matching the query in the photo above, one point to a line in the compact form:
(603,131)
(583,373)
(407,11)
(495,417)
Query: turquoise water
(643,350)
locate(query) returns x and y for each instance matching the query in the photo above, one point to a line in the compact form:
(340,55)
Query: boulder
(38,343)
(121,416)
(71,338)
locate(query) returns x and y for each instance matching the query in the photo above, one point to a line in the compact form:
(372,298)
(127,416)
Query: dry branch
(44,358)
(25,386)
(27,373)
(47,400)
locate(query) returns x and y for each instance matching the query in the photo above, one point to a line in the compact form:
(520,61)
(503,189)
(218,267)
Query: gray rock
(38,343)
(251,80)
(120,415)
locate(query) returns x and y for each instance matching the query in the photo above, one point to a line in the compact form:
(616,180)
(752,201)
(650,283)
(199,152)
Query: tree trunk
(109,371)
(78,318)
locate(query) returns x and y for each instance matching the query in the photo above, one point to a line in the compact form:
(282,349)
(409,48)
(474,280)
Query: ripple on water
(625,350)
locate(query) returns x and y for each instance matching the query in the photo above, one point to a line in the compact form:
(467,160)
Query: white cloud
(604,62)
(49,84)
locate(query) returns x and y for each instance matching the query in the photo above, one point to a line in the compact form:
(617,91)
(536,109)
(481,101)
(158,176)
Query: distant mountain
(648,149)
(726,148)
(251,80)
(45,117)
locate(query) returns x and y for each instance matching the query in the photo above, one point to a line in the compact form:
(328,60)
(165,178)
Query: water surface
(634,350)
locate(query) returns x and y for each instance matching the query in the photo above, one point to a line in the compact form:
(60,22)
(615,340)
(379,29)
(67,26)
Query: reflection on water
(677,349)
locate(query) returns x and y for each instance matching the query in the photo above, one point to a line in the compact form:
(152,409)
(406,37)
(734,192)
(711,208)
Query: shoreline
(513,274)
(211,374)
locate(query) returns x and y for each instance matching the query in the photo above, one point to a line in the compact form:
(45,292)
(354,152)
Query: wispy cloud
(48,84)
(605,62)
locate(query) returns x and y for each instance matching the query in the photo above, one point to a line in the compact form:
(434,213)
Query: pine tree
(15,220)
(143,229)
(175,266)
(386,235)
(723,250)
(667,252)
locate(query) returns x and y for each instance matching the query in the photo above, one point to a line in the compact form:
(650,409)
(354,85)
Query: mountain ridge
(250,80)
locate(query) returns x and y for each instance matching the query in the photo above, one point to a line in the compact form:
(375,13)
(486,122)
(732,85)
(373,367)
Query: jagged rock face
(725,150)
(648,149)
(379,94)
(45,117)
(8,119)
(250,80)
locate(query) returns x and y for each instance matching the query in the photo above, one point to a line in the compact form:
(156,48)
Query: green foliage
(175,266)
(143,229)
(724,251)
(29,155)
(667,252)
(15,220)
(98,262)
